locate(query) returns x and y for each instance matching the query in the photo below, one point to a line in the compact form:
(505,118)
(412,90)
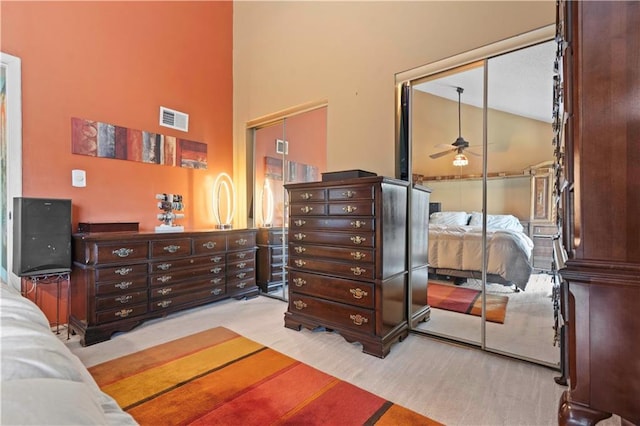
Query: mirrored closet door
(480,139)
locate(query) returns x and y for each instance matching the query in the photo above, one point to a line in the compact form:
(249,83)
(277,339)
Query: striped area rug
(218,377)
(466,301)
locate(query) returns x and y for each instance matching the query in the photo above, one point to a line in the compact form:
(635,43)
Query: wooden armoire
(601,211)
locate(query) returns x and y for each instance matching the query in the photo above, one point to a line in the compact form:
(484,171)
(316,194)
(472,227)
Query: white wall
(347,53)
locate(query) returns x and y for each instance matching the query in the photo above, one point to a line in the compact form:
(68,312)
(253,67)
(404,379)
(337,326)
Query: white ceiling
(519,82)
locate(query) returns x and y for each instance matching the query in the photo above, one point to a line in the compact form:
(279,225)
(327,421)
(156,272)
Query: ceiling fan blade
(468,151)
(443,145)
(442,154)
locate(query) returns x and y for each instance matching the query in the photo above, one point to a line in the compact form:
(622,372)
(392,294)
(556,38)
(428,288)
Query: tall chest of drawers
(271,257)
(348,260)
(119,280)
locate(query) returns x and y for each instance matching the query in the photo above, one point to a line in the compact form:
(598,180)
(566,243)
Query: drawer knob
(241,265)
(349,194)
(209,245)
(123,285)
(358,239)
(306,195)
(357,255)
(164,266)
(299,236)
(358,270)
(122,313)
(164,278)
(358,293)
(216,291)
(171,248)
(216,270)
(124,299)
(299,222)
(299,263)
(241,275)
(164,303)
(306,209)
(241,285)
(358,319)
(299,282)
(216,280)
(165,291)
(349,209)
(216,259)
(299,304)
(299,249)
(123,271)
(123,252)
(358,224)
(241,241)
(241,255)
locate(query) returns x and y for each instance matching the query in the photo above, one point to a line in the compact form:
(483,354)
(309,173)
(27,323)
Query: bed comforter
(460,248)
(42,381)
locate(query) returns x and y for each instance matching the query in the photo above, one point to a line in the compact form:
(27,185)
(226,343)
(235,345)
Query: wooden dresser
(271,270)
(121,279)
(542,236)
(420,211)
(348,260)
(601,298)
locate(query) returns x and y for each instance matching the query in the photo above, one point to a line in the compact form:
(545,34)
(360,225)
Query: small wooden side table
(56,279)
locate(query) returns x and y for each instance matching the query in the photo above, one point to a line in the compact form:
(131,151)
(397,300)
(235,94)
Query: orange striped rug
(218,377)
(466,301)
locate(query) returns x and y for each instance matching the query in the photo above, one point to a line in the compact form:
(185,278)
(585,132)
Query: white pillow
(449,218)
(497,221)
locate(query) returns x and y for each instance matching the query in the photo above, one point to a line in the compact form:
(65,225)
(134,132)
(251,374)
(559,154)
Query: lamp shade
(460,160)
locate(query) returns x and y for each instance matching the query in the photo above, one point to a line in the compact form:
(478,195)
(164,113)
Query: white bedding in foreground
(460,248)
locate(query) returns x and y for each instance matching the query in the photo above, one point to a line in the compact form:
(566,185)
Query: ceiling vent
(174,119)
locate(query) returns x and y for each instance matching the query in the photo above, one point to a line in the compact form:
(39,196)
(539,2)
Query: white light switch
(78,178)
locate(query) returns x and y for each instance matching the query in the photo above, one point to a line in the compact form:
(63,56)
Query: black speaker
(41,236)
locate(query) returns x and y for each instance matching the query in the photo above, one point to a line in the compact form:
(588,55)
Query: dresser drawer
(120,272)
(310,194)
(171,248)
(243,275)
(123,285)
(350,239)
(359,271)
(240,265)
(210,244)
(274,236)
(308,209)
(121,300)
(339,253)
(351,193)
(241,241)
(237,287)
(245,256)
(170,291)
(340,290)
(327,312)
(364,224)
(353,208)
(173,301)
(192,262)
(112,253)
(181,275)
(121,313)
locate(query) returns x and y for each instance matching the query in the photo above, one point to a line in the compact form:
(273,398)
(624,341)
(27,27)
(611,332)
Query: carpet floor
(466,301)
(218,377)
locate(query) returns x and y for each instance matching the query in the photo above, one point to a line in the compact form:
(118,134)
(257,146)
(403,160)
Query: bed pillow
(449,218)
(497,221)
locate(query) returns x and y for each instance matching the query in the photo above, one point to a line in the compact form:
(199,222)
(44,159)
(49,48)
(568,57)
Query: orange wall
(118,62)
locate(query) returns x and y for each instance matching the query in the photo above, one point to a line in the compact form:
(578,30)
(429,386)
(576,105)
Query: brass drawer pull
(241,255)
(241,241)
(299,222)
(241,285)
(165,291)
(216,280)
(216,259)
(171,248)
(124,299)
(299,282)
(164,303)
(358,270)
(349,194)
(300,263)
(123,285)
(306,209)
(164,278)
(358,255)
(164,266)
(122,252)
(216,270)
(349,209)
(209,245)
(306,196)
(358,319)
(241,265)
(122,313)
(299,236)
(358,239)
(216,291)
(241,275)
(299,304)
(358,224)
(123,271)
(358,293)
(299,249)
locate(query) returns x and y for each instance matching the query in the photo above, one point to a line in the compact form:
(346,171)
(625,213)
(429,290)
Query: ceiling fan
(459,145)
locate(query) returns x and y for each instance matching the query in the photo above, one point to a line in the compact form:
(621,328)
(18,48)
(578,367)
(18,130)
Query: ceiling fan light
(460,160)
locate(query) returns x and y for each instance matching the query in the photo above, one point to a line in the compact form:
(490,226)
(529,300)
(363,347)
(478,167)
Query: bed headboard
(434,207)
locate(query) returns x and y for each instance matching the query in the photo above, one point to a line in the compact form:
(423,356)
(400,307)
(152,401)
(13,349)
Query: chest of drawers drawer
(170,291)
(121,286)
(356,192)
(242,241)
(352,208)
(121,272)
(100,253)
(308,209)
(119,300)
(349,239)
(361,223)
(169,265)
(170,248)
(178,275)
(210,244)
(316,194)
(330,252)
(121,313)
(344,269)
(184,298)
(356,293)
(350,317)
